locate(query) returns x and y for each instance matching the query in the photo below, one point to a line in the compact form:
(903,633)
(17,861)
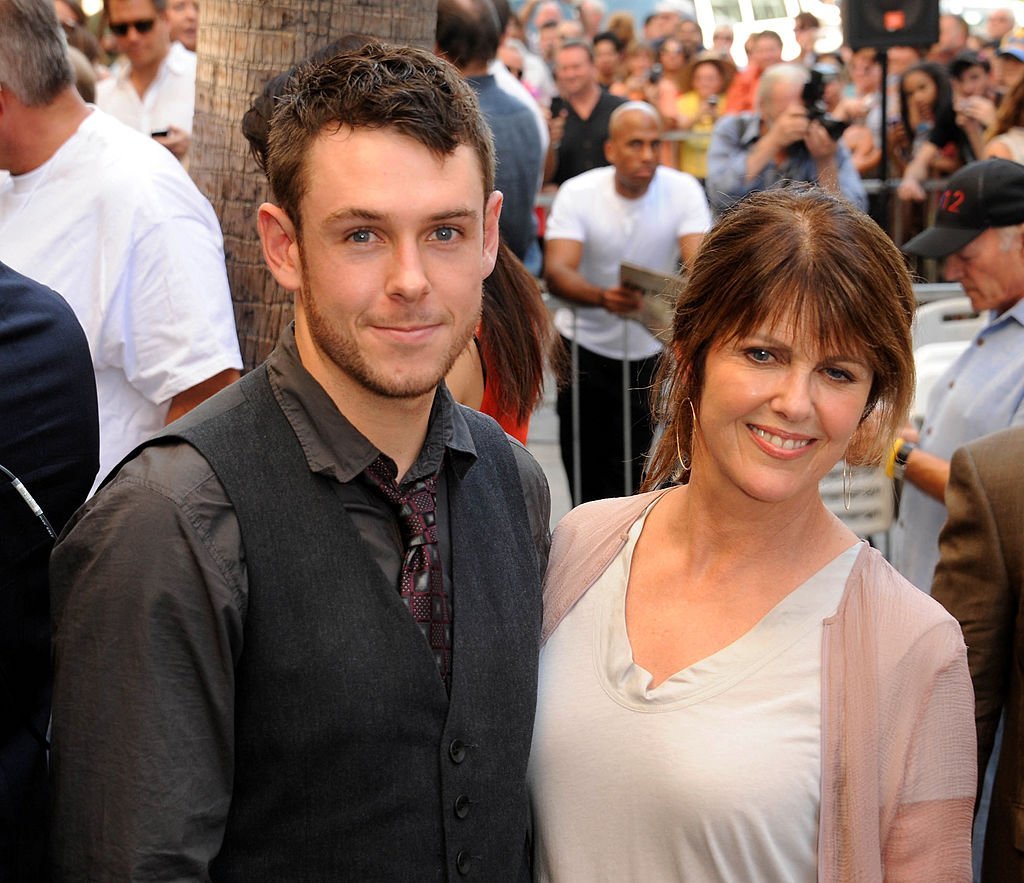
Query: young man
(297,637)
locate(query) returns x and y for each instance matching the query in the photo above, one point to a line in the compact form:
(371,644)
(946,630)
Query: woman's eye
(838,374)
(757,354)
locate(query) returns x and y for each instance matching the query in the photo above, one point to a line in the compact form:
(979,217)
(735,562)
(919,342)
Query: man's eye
(445,234)
(361,236)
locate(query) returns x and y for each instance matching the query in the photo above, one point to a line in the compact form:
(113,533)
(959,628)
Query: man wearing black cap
(978,230)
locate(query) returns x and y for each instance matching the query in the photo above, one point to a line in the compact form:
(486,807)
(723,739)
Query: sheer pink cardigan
(898,737)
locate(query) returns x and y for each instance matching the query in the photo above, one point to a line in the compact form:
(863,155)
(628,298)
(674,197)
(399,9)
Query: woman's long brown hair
(516,335)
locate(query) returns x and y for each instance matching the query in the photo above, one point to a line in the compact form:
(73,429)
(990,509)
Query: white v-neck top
(712,775)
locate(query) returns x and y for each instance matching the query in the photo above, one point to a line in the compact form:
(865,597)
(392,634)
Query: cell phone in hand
(162,133)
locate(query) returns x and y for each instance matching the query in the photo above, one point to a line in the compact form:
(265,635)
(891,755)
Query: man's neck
(395,426)
(585,101)
(45,130)
(142,78)
(475,69)
(631,191)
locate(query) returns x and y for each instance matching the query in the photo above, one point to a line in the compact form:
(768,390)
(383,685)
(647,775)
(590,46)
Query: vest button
(461,806)
(463,862)
(457,751)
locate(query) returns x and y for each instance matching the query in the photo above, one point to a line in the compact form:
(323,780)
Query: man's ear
(492,212)
(280,246)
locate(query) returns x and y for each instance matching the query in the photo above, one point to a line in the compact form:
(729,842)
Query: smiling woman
(811,266)
(764,695)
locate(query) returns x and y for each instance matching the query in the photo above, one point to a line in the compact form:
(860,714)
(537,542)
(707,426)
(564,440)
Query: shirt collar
(751,128)
(1015,312)
(176,61)
(332,445)
(179,58)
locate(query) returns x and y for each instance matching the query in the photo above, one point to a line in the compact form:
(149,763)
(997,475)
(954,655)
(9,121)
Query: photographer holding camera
(785,139)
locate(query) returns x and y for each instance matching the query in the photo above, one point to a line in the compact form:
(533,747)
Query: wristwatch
(903,452)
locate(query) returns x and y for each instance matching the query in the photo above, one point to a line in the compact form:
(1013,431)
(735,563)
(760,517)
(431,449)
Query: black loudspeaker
(878,24)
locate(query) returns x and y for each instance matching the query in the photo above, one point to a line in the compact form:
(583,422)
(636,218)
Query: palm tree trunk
(242,44)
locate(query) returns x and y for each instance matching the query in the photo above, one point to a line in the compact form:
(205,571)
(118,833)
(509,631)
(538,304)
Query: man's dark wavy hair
(375,86)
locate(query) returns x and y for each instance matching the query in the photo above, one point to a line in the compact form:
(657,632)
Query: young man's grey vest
(351,762)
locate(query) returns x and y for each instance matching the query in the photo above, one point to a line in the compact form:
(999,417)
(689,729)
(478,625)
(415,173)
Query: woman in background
(928,143)
(733,687)
(637,84)
(1006,138)
(671,83)
(501,372)
(697,110)
(623,25)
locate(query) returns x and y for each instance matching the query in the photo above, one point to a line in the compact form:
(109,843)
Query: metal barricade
(576,479)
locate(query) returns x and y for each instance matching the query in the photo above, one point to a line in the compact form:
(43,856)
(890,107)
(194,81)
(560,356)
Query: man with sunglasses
(154,90)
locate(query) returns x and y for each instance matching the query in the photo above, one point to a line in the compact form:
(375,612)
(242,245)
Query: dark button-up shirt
(582,147)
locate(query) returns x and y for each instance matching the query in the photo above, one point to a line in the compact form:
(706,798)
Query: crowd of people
(311,622)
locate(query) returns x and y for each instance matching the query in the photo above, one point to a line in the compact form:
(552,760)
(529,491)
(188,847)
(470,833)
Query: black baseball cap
(966,60)
(988,193)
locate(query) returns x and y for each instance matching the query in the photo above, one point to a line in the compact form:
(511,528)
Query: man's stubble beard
(344,353)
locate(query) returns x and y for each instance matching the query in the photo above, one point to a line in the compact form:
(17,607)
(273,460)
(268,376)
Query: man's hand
(910,190)
(819,143)
(177,141)
(789,127)
(621,300)
(556,127)
(909,433)
(977,109)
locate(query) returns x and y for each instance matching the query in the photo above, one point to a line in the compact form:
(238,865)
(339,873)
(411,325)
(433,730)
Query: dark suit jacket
(979,579)
(49,438)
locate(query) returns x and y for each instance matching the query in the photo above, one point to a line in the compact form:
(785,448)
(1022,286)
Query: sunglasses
(142,26)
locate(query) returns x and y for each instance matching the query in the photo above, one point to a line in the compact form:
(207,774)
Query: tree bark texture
(242,44)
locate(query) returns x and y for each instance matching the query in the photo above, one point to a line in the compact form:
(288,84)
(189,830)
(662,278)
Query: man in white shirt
(183,16)
(155,91)
(635,211)
(112,222)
